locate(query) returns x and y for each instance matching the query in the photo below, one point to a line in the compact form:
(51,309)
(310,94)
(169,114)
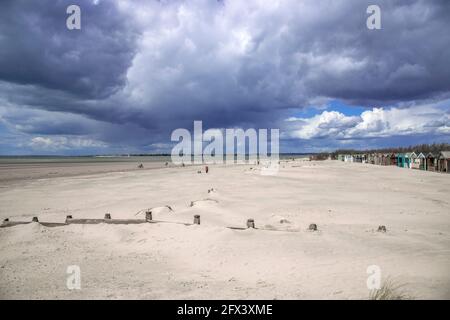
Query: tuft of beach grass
(390,290)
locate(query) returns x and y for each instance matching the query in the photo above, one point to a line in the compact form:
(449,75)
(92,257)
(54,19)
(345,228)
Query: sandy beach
(281,260)
(19,169)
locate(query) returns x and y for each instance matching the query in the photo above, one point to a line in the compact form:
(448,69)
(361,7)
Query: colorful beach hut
(422,161)
(400,160)
(414,161)
(403,160)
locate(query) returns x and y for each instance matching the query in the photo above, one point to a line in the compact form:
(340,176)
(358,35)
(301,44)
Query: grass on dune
(390,290)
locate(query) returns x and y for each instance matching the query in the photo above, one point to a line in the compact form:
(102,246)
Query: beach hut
(444,161)
(364,158)
(383,159)
(401,160)
(378,158)
(386,159)
(358,158)
(431,161)
(407,162)
(393,159)
(348,158)
(422,161)
(414,162)
(341,157)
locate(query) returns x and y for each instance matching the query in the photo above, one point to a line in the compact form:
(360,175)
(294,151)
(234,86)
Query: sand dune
(347,201)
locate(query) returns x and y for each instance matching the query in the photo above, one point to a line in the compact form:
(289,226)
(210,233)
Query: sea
(36,159)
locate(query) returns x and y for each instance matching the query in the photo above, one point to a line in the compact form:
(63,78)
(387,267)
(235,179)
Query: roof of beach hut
(432,155)
(444,155)
(413,155)
(421,155)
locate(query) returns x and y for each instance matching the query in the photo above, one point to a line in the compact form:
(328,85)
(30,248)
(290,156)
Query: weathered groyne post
(107,216)
(197,219)
(250,223)
(313,227)
(148,215)
(35,219)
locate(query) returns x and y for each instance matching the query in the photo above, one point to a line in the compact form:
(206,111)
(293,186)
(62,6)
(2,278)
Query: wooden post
(35,219)
(313,227)
(250,223)
(148,215)
(5,220)
(69,216)
(107,216)
(381,229)
(197,219)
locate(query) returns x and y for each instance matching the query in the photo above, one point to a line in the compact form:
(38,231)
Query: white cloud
(325,124)
(375,123)
(56,143)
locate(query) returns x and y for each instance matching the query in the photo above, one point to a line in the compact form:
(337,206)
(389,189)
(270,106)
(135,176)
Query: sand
(12,170)
(348,201)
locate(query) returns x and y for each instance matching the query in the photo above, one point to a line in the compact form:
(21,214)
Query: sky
(137,70)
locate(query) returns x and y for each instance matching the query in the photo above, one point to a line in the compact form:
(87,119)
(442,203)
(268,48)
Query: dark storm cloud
(404,61)
(139,69)
(38,49)
(235,65)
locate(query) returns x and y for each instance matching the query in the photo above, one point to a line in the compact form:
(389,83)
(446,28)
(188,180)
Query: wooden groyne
(250,223)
